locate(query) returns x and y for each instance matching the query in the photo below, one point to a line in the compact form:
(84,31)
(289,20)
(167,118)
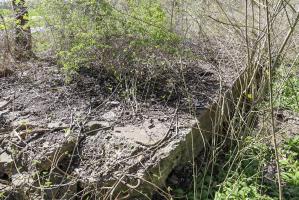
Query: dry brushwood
(5,72)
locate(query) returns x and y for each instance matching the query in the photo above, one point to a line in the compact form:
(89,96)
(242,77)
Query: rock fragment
(20,180)
(109,116)
(113,103)
(6,164)
(55,154)
(3,104)
(92,127)
(55,125)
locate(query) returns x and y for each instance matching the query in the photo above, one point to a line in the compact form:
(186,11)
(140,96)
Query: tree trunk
(23,42)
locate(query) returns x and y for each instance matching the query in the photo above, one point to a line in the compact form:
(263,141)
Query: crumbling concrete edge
(209,122)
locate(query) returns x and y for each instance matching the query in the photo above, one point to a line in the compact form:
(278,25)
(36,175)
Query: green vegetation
(6,12)
(246,169)
(157,49)
(290,168)
(95,31)
(249,173)
(249,180)
(287,88)
(7,15)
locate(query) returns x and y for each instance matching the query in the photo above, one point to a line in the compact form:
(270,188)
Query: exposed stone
(150,131)
(6,164)
(3,104)
(92,127)
(146,133)
(20,180)
(113,103)
(55,154)
(109,116)
(54,125)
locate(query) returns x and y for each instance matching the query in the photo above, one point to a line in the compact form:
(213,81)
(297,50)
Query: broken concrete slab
(6,164)
(143,145)
(140,153)
(47,152)
(151,131)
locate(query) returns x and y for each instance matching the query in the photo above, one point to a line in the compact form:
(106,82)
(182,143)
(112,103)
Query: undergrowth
(248,173)
(245,169)
(125,35)
(287,87)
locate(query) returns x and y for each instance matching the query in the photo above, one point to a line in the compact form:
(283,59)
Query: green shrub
(93,32)
(149,21)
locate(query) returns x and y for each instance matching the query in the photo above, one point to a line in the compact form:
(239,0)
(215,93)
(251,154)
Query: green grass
(244,177)
(286,88)
(245,170)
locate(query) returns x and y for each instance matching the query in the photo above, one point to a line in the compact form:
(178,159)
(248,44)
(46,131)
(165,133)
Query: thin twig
(271,103)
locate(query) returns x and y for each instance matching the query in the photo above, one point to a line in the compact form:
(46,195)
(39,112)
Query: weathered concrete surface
(6,164)
(166,141)
(194,139)
(108,148)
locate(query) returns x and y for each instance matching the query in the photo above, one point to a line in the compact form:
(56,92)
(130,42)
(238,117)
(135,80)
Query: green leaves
(17,1)
(149,22)
(287,89)
(90,31)
(240,189)
(290,167)
(243,175)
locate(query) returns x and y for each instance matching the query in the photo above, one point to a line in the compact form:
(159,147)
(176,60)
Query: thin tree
(23,41)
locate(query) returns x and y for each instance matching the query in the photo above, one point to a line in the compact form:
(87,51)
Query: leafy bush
(149,21)
(92,32)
